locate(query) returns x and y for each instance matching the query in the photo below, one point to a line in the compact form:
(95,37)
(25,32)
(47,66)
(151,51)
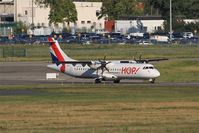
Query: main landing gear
(116,81)
(98,80)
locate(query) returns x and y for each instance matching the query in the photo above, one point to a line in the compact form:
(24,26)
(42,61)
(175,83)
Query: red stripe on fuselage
(62,68)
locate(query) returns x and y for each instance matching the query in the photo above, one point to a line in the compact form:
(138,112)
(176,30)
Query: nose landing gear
(152,81)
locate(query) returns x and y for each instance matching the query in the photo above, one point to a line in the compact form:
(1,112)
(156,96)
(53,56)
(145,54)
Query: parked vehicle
(161,39)
(187,34)
(108,38)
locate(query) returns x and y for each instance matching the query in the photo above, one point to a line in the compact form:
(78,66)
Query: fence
(13,52)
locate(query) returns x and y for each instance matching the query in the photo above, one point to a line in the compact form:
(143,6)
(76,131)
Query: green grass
(100,109)
(107,108)
(178,70)
(104,93)
(93,52)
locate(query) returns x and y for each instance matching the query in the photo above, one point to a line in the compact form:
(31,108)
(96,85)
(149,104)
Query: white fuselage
(117,70)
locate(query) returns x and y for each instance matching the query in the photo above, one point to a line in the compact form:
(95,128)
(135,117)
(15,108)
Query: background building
(87,18)
(29,13)
(139,24)
(6,16)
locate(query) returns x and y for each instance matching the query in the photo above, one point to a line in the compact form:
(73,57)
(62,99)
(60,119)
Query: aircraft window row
(116,70)
(148,68)
(81,69)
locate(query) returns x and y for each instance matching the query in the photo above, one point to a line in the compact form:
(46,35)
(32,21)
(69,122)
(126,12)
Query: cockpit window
(148,67)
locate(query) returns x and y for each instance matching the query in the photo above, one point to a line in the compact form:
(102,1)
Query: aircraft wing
(74,62)
(70,62)
(150,60)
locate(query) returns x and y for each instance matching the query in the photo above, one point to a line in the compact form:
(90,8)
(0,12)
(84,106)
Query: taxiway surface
(30,73)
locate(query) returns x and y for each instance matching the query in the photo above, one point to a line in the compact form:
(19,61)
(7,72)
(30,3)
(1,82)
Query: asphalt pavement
(32,73)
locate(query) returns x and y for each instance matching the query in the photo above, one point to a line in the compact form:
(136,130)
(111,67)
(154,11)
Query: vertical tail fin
(56,52)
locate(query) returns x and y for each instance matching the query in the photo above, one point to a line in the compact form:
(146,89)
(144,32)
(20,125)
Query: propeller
(103,65)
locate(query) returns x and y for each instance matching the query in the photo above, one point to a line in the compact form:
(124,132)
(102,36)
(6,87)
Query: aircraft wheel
(116,81)
(152,81)
(97,81)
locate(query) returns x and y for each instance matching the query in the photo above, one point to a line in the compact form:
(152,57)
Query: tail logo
(56,54)
(56,49)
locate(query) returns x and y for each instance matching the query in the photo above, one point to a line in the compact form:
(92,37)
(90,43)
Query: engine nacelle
(109,77)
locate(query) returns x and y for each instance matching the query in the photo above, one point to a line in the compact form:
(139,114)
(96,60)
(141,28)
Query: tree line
(64,10)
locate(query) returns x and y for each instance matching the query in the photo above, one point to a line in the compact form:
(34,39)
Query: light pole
(15,10)
(171,30)
(32,13)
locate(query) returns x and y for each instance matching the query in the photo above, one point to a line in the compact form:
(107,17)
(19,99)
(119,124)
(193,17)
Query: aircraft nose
(157,73)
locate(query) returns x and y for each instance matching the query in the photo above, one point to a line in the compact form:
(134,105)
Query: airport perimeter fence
(13,52)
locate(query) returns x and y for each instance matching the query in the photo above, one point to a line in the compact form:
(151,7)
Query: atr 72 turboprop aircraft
(102,70)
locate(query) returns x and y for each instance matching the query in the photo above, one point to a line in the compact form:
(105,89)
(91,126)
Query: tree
(19,28)
(114,9)
(181,9)
(71,13)
(60,10)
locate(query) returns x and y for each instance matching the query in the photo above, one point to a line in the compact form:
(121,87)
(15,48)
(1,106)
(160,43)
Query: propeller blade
(108,62)
(97,71)
(102,72)
(140,58)
(104,58)
(106,68)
